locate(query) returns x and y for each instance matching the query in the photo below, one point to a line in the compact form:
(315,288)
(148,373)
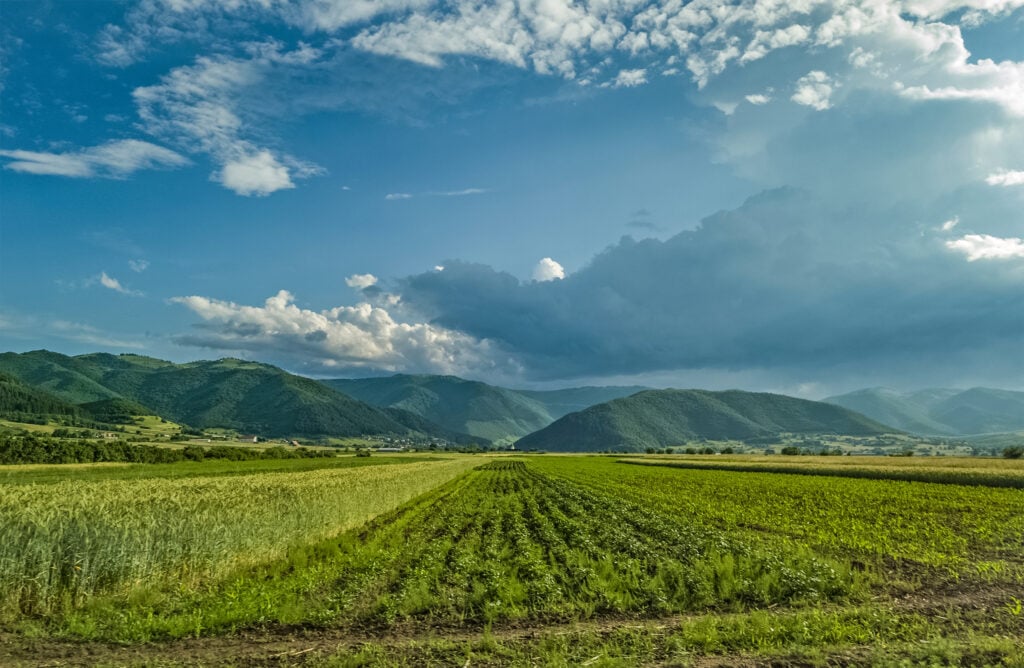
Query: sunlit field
(511,561)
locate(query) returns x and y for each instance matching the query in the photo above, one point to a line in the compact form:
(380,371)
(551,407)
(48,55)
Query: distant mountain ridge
(562,402)
(497,413)
(227,393)
(940,412)
(661,418)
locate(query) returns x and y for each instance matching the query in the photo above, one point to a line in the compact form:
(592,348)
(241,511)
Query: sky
(805,197)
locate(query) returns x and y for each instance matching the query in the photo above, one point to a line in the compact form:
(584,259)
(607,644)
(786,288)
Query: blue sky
(801,197)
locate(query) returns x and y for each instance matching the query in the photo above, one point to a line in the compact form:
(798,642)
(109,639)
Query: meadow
(497,560)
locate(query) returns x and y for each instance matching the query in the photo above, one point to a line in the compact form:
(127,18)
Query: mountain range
(228,393)
(940,412)
(259,398)
(498,414)
(661,418)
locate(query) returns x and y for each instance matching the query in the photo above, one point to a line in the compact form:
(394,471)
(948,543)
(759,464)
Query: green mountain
(52,372)
(941,412)
(17,399)
(888,407)
(661,418)
(494,413)
(228,393)
(562,402)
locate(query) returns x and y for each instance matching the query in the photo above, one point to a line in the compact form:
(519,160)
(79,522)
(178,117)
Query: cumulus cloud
(361,281)
(345,337)
(548,270)
(758,99)
(1006,178)
(987,247)
(950,224)
(112,283)
(256,173)
(115,160)
(630,78)
(814,90)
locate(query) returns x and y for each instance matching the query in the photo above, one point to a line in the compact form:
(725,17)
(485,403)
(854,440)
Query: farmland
(506,561)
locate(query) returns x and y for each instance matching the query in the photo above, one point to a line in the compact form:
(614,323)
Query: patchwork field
(540,560)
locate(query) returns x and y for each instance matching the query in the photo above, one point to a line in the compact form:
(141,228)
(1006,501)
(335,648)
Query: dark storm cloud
(784,282)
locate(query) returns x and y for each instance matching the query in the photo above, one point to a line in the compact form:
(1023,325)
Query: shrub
(1013,452)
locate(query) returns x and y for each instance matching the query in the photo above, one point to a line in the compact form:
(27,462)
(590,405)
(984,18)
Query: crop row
(64,542)
(506,542)
(966,529)
(986,477)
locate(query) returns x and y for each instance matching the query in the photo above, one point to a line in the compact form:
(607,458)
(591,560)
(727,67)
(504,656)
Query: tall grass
(61,543)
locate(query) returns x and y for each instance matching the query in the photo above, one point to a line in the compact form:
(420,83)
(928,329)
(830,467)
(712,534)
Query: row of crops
(985,473)
(504,543)
(961,529)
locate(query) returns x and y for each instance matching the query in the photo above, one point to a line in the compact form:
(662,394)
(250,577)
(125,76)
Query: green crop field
(496,560)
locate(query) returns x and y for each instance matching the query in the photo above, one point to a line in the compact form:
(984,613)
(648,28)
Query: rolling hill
(660,418)
(228,393)
(940,412)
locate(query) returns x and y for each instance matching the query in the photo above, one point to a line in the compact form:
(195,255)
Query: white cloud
(360,336)
(548,270)
(254,174)
(766,41)
(1006,178)
(361,281)
(138,266)
(198,108)
(630,78)
(438,267)
(727,108)
(814,90)
(397,196)
(112,283)
(950,224)
(912,49)
(150,23)
(115,160)
(460,193)
(987,247)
